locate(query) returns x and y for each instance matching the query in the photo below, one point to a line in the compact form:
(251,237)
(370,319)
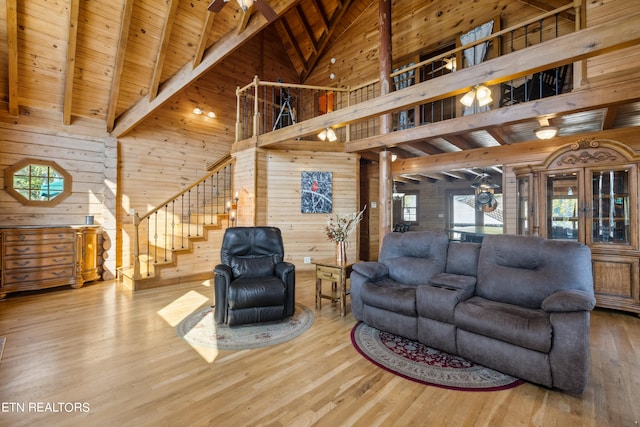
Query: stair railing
(168,226)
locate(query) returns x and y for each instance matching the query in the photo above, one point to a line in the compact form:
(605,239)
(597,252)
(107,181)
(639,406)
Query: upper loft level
(518,79)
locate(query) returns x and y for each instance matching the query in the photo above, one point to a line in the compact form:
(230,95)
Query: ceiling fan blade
(266,10)
(216,6)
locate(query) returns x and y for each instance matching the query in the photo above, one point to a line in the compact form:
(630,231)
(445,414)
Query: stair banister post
(256,113)
(136,247)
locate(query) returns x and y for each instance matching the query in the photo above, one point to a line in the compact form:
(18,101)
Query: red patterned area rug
(417,362)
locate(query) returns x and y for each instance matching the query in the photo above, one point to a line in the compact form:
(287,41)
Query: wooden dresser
(43,257)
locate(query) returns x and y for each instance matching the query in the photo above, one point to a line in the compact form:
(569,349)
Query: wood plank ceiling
(116,61)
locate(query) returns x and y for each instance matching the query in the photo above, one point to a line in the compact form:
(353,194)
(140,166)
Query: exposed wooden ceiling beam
(425,147)
(460,142)
(321,14)
(187,74)
(498,134)
(12,53)
(574,101)
(307,29)
(204,37)
(165,37)
(610,117)
(580,45)
(127,10)
(326,36)
(285,31)
(74,12)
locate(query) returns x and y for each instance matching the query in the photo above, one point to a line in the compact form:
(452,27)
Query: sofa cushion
(453,281)
(524,327)
(462,258)
(524,270)
(413,257)
(390,295)
(251,267)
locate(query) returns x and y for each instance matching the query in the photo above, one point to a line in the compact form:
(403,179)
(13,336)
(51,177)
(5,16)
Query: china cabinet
(42,257)
(588,192)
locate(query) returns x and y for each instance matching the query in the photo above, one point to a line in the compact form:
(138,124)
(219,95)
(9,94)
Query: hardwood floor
(115,354)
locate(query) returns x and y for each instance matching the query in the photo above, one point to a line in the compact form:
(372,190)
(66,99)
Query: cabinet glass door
(610,218)
(562,208)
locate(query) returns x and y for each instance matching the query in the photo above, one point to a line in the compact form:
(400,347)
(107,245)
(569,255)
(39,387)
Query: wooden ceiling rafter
(12,53)
(610,117)
(202,40)
(165,37)
(497,134)
(187,74)
(307,28)
(244,20)
(460,142)
(285,32)
(321,14)
(325,37)
(72,41)
(127,11)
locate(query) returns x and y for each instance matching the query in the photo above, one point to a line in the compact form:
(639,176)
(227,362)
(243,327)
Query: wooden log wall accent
(91,163)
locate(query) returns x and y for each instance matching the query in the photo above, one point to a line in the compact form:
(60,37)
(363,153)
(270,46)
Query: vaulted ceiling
(116,62)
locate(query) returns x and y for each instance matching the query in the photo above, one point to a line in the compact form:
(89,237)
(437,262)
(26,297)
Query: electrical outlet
(307,260)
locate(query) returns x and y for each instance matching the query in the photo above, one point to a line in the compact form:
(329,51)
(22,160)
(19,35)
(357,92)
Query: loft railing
(261,106)
(207,203)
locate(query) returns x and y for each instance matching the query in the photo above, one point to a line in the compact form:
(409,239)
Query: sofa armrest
(569,300)
(372,270)
(225,271)
(283,269)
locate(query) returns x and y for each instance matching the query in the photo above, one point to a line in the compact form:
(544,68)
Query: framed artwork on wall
(316,192)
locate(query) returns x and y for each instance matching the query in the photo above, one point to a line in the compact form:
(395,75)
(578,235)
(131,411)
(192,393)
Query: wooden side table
(337,273)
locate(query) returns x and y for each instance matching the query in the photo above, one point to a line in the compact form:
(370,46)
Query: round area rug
(200,329)
(417,362)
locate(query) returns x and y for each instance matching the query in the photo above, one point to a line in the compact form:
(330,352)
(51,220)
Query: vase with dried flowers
(339,228)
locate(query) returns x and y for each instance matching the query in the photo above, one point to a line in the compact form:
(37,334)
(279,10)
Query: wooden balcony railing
(263,107)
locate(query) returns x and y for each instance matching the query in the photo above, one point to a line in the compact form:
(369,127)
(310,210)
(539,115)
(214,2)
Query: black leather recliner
(253,284)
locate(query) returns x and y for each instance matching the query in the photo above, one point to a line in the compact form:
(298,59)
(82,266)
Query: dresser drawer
(16,249)
(63,273)
(65,235)
(12,263)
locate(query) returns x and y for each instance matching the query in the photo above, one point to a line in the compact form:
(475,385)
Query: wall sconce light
(329,134)
(545,131)
(479,92)
(199,111)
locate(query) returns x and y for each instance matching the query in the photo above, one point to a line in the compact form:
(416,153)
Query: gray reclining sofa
(517,304)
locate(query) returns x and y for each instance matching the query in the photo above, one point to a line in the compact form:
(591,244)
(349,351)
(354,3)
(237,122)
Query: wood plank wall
(91,163)
(619,65)
(304,234)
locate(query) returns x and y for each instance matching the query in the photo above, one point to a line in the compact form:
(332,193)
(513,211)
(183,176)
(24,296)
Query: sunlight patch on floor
(180,308)
(208,354)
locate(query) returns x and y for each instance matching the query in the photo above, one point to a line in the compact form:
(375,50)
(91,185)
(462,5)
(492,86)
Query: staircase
(180,239)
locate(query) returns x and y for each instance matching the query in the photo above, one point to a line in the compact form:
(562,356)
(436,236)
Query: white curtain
(475,55)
